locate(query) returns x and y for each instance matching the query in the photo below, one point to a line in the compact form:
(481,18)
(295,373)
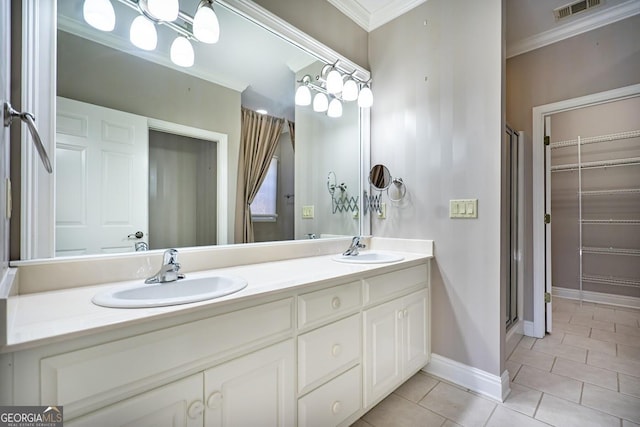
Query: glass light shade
(182,52)
(320,103)
(143,33)
(350,90)
(334,81)
(206,27)
(365,99)
(335,108)
(99,14)
(303,95)
(164,10)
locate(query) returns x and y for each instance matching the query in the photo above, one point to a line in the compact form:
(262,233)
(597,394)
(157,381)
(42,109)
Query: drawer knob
(400,314)
(214,400)
(405,313)
(195,409)
(336,407)
(336,350)
(336,303)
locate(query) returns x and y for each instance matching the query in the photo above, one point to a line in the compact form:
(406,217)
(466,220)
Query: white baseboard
(598,297)
(528,328)
(477,380)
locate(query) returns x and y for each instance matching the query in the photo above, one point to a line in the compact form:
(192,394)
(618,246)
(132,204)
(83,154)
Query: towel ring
(401,188)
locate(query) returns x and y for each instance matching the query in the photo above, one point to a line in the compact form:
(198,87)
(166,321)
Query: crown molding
(579,26)
(370,21)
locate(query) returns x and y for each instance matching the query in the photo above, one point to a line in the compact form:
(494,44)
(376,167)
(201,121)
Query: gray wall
(600,60)
(182,191)
(602,119)
(437,122)
(99,75)
(322,21)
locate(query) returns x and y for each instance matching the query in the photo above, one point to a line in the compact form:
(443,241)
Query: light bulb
(164,10)
(335,108)
(182,52)
(143,33)
(99,14)
(320,103)
(350,90)
(334,81)
(303,95)
(365,99)
(206,27)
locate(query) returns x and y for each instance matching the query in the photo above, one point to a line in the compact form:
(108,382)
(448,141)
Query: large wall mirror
(147,152)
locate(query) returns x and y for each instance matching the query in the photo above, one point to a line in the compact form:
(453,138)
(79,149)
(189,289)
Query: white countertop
(45,317)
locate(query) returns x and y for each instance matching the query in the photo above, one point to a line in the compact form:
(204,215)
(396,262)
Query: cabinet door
(254,390)
(178,404)
(382,350)
(415,339)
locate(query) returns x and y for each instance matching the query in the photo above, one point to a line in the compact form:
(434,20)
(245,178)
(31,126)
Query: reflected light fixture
(99,14)
(320,103)
(206,27)
(182,52)
(335,108)
(334,81)
(365,99)
(350,90)
(162,10)
(303,96)
(143,33)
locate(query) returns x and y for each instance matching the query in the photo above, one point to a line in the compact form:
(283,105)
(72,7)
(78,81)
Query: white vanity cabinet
(254,390)
(396,333)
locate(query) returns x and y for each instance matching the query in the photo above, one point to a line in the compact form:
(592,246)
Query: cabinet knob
(336,407)
(336,303)
(405,312)
(336,350)
(400,314)
(214,400)
(195,409)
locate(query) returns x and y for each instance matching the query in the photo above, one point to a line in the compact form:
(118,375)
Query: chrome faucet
(355,247)
(169,269)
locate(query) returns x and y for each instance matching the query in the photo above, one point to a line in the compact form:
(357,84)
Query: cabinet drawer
(327,349)
(333,403)
(95,376)
(327,304)
(384,286)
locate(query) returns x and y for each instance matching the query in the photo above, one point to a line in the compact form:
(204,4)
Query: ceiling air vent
(573,8)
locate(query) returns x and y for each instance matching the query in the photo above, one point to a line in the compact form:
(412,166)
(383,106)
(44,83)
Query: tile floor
(587,373)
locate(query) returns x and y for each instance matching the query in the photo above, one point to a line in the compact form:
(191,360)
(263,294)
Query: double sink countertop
(53,315)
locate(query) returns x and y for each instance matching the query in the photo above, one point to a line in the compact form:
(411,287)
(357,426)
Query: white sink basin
(369,257)
(171,293)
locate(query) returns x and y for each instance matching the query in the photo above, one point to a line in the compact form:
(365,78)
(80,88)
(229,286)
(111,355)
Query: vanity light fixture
(143,33)
(203,27)
(335,108)
(182,52)
(324,98)
(365,99)
(206,27)
(99,14)
(320,103)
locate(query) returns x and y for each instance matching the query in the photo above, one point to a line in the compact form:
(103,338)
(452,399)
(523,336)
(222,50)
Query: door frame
(538,188)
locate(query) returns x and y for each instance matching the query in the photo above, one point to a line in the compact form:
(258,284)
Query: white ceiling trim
(579,26)
(372,20)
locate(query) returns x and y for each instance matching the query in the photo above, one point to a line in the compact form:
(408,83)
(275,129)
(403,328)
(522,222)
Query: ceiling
(530,23)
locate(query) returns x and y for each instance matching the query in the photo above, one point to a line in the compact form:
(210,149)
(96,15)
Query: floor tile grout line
(535,411)
(493,411)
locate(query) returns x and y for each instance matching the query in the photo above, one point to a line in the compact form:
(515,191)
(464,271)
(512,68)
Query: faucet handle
(170,257)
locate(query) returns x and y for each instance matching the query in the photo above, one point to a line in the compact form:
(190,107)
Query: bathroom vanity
(309,342)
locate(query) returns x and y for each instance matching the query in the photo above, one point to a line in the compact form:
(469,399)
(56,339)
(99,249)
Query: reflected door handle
(10,113)
(136,235)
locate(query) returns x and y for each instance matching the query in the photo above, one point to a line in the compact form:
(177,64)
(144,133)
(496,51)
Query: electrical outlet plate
(382,213)
(463,208)
(307,212)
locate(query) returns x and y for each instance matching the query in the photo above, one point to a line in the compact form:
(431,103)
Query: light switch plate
(463,208)
(307,212)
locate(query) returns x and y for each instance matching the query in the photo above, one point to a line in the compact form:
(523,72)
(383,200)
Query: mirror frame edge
(38,96)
